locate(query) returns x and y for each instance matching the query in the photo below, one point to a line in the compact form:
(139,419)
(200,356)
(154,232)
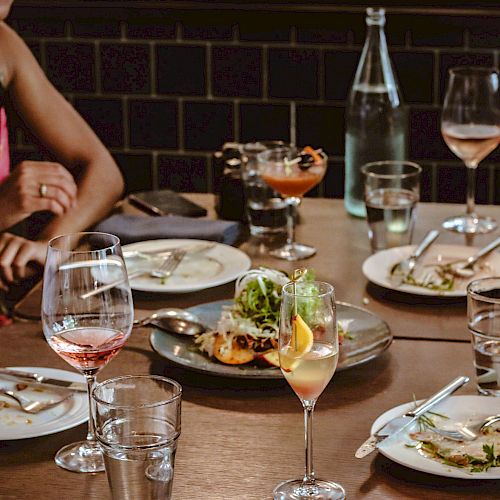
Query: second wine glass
(86,332)
(470,126)
(292,176)
(308,355)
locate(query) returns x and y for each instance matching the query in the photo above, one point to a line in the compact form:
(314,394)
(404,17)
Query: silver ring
(43,190)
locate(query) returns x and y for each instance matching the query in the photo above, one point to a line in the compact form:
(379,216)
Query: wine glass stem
(308,414)
(471,189)
(91,379)
(292,203)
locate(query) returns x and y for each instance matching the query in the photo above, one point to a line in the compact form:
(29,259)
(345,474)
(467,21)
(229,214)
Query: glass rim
(170,381)
(416,166)
(80,235)
(330,289)
(472,70)
(477,294)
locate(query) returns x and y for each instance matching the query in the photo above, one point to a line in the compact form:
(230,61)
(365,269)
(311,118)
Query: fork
(33,406)
(464,432)
(169,265)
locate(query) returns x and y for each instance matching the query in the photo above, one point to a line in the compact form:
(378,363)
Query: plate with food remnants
(241,334)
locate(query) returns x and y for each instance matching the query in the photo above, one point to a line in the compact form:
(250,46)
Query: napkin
(132,228)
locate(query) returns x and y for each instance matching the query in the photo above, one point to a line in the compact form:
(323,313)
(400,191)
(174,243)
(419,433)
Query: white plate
(376,267)
(16,424)
(216,266)
(457,408)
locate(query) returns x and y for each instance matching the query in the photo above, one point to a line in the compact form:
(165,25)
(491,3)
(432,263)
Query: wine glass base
(293,252)
(295,489)
(467,224)
(83,456)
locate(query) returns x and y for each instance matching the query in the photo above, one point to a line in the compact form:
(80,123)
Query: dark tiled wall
(164,88)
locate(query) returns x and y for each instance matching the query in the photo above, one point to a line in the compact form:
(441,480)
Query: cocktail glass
(308,354)
(292,176)
(86,332)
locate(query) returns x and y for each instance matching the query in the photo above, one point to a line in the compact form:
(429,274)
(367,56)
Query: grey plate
(370,337)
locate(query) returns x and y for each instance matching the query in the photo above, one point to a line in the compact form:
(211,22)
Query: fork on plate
(33,406)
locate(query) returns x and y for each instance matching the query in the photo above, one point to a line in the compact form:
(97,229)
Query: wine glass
(308,354)
(292,175)
(470,125)
(86,332)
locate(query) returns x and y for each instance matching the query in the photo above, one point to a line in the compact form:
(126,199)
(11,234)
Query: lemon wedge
(300,344)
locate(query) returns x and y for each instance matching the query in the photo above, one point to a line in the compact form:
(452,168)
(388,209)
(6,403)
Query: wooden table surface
(240,438)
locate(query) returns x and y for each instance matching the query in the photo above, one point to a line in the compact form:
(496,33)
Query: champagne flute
(292,176)
(470,125)
(86,332)
(308,354)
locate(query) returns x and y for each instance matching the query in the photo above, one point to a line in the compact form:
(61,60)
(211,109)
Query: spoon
(173,319)
(465,432)
(465,269)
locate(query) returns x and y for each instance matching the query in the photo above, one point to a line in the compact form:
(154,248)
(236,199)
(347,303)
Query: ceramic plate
(218,265)
(376,267)
(370,337)
(16,424)
(457,408)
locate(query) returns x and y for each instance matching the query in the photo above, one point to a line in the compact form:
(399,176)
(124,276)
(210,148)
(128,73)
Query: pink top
(4,147)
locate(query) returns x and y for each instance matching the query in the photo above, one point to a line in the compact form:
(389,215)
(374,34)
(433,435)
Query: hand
(22,193)
(16,255)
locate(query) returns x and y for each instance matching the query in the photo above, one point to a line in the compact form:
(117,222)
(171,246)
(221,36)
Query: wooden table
(240,438)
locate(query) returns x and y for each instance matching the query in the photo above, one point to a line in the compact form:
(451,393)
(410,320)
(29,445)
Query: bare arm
(55,123)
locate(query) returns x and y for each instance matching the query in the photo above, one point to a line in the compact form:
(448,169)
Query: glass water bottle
(376,120)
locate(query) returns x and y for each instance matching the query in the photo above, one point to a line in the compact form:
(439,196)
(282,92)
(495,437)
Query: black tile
(207,26)
(451,184)
(105,116)
(333,27)
(415,72)
(137,170)
(293,73)
(96,27)
(448,60)
(426,182)
(333,182)
(236,71)
(426,142)
(259,122)
(40,27)
(125,68)
(271,27)
(321,126)
(340,68)
(71,66)
(437,31)
(181,69)
(183,173)
(146,28)
(484,32)
(207,125)
(153,124)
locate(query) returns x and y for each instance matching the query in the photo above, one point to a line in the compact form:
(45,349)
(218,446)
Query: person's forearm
(99,188)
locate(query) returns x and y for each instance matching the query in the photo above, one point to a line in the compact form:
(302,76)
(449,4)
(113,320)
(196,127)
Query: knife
(41,379)
(399,424)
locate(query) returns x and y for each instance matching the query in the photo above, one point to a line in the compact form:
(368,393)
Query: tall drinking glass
(470,125)
(308,354)
(292,176)
(86,332)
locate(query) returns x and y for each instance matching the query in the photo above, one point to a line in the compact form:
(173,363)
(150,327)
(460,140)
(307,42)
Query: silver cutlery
(401,270)
(164,313)
(164,270)
(465,268)
(36,378)
(33,406)
(395,426)
(161,252)
(466,432)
